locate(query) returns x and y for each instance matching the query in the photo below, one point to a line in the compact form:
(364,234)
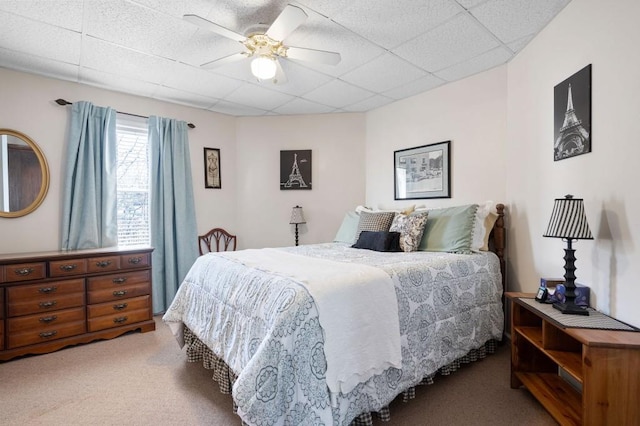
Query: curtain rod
(62,102)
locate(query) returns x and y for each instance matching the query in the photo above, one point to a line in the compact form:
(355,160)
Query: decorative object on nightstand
(569,222)
(297,218)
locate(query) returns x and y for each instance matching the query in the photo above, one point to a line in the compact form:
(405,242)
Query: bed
(260,319)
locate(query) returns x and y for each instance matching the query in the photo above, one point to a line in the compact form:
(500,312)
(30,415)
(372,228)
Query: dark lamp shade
(568,220)
(296,216)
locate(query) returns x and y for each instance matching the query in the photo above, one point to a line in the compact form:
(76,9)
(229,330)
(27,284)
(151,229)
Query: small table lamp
(569,222)
(297,218)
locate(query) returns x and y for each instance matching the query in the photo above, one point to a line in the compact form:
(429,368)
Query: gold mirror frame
(44,169)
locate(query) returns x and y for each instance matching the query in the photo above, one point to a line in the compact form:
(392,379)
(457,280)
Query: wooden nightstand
(604,363)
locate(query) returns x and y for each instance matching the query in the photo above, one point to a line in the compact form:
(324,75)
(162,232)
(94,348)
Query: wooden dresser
(50,300)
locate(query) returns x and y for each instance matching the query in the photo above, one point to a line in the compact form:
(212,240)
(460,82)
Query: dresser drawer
(45,297)
(118,286)
(1,302)
(1,335)
(32,336)
(119,306)
(118,319)
(133,261)
(25,271)
(65,268)
(44,321)
(103,264)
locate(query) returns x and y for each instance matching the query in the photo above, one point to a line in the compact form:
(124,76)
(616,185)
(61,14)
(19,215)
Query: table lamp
(297,218)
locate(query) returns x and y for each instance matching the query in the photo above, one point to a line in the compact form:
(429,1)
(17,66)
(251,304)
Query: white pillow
(479,230)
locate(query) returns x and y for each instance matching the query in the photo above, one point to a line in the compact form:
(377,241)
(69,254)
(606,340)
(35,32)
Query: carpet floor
(143,379)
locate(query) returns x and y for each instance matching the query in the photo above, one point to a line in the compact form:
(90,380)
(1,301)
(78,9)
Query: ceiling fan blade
(208,25)
(224,60)
(288,20)
(281,77)
(312,55)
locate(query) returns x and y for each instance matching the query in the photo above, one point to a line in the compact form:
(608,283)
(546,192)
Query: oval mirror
(24,174)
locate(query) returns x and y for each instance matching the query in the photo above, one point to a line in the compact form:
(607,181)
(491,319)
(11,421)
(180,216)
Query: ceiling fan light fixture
(263,67)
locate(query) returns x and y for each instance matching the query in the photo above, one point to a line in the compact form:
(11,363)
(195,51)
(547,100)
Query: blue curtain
(89,212)
(173,220)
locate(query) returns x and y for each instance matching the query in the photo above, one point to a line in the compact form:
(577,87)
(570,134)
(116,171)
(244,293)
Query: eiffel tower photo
(572,138)
(299,176)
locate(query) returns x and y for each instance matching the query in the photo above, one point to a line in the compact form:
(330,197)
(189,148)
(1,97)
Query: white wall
(470,113)
(28,106)
(606,35)
(338,148)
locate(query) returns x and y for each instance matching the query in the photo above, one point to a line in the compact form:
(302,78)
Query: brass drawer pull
(103,263)
(24,271)
(47,290)
(120,320)
(47,320)
(120,306)
(69,267)
(135,260)
(48,304)
(120,293)
(47,334)
(119,280)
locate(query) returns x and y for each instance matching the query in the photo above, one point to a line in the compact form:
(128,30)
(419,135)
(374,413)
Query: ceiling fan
(267,47)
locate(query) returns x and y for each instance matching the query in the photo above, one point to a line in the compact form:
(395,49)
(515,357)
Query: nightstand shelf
(598,383)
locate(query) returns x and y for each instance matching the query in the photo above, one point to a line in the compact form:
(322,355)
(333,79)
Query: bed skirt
(225,377)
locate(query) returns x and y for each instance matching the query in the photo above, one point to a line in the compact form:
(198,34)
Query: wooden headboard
(497,241)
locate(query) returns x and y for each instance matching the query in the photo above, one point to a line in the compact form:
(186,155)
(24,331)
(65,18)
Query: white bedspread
(361,327)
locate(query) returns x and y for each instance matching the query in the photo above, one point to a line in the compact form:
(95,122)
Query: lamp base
(570,309)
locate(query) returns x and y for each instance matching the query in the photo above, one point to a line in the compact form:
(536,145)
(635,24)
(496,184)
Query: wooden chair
(222,239)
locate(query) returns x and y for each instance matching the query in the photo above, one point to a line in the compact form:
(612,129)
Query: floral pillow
(411,228)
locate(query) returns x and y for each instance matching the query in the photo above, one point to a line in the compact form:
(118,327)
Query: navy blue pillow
(378,241)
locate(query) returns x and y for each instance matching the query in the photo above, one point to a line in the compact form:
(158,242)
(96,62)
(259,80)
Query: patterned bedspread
(265,327)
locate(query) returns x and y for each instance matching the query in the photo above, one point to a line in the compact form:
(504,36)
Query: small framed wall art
(572,115)
(423,172)
(295,169)
(212,177)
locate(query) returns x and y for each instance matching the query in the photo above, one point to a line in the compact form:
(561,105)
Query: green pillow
(347,231)
(449,229)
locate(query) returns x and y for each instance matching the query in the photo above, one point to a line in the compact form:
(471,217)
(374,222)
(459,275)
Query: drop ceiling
(390,50)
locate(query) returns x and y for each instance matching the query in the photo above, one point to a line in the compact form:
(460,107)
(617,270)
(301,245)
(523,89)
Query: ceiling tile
(184,98)
(390,24)
(39,39)
(417,86)
(116,83)
(110,58)
(389,50)
(383,73)
(512,19)
(455,41)
(137,27)
(480,63)
(303,106)
(258,96)
(196,80)
(38,65)
(375,101)
(231,108)
(338,94)
(66,13)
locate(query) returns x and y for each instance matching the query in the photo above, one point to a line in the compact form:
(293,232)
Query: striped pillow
(380,221)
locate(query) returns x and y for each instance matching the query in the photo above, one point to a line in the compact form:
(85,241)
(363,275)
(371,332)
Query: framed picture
(212,168)
(572,115)
(295,169)
(423,172)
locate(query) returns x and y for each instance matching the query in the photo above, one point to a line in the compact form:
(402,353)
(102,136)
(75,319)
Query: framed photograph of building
(423,172)
(295,169)
(212,176)
(572,115)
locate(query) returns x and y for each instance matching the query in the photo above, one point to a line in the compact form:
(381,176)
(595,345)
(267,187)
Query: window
(133,180)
